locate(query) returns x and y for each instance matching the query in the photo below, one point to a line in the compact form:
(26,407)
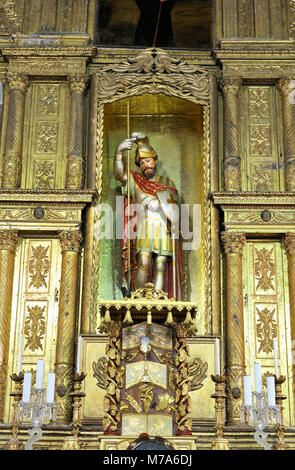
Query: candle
(275,350)
(27,387)
(217,351)
(247,391)
(40,373)
(20,349)
(79,356)
(271,394)
(50,387)
(257,376)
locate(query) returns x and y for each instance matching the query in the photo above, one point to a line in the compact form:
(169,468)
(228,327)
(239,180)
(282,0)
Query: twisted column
(289,245)
(8,241)
(64,365)
(17,84)
(231,145)
(75,159)
(288,129)
(234,322)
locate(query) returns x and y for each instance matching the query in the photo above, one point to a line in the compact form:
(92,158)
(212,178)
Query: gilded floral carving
(265,269)
(39,267)
(46,137)
(44,174)
(259,102)
(266,328)
(260,140)
(35,327)
(48,99)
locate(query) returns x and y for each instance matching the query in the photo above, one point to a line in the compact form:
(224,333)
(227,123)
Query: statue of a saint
(156,244)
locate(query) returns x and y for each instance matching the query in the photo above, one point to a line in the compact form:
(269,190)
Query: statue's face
(148,167)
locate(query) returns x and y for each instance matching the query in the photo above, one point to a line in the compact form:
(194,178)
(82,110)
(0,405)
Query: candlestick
(280,443)
(258,379)
(20,349)
(27,387)
(14,443)
(40,374)
(275,350)
(217,351)
(50,387)
(73,442)
(78,356)
(219,443)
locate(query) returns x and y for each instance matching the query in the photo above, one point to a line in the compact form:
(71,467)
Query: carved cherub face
(148,167)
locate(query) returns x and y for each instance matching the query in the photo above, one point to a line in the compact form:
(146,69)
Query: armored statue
(158,217)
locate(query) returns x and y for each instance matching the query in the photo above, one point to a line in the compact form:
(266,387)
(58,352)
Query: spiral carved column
(289,245)
(17,84)
(234,323)
(8,241)
(231,111)
(67,317)
(289,135)
(75,157)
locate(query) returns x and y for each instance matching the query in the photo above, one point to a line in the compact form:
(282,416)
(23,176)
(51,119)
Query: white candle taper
(50,387)
(40,373)
(275,350)
(271,394)
(20,350)
(247,391)
(258,378)
(27,387)
(78,356)
(217,351)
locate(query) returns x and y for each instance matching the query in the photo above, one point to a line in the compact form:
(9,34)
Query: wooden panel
(266,313)
(260,149)
(45,137)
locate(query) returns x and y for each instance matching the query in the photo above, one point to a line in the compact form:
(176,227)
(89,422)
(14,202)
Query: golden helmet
(144,149)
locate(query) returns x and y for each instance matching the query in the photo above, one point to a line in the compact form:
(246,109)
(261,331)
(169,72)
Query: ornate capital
(289,243)
(233,242)
(77,82)
(8,240)
(231,85)
(17,81)
(70,241)
(285,86)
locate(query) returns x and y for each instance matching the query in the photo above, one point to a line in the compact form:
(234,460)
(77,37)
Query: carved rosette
(75,159)
(285,88)
(113,380)
(182,380)
(17,84)
(8,242)
(233,244)
(70,246)
(231,161)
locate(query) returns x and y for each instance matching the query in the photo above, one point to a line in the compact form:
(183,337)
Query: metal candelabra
(260,415)
(39,412)
(219,443)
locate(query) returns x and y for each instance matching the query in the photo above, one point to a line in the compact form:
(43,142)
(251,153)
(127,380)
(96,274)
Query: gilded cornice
(253,199)
(57,51)
(16,196)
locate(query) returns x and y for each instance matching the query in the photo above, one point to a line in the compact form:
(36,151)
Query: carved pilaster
(182,399)
(111,405)
(233,244)
(288,129)
(231,111)
(70,246)
(8,241)
(75,159)
(17,84)
(289,246)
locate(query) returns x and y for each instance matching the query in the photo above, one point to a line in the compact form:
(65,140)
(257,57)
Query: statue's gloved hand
(137,135)
(125,145)
(153,205)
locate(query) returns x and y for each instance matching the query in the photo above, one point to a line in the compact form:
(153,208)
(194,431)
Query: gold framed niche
(175,129)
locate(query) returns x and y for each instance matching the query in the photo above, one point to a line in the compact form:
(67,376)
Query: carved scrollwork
(154,71)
